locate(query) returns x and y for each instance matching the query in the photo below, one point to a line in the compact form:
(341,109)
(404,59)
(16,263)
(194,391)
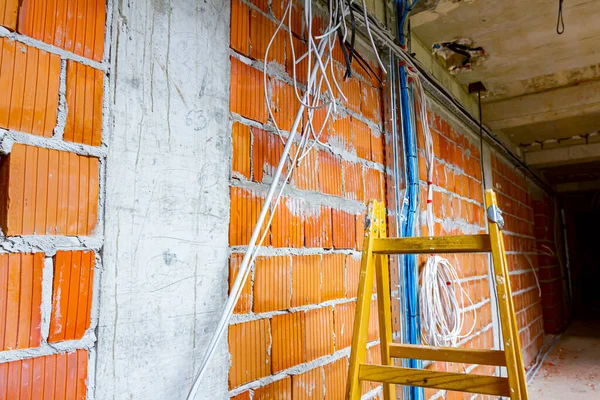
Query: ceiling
(542,87)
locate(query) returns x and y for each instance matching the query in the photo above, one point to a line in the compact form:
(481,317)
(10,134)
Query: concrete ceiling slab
(541,86)
(526,54)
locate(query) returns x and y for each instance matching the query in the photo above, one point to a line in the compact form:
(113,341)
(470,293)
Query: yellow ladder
(375,262)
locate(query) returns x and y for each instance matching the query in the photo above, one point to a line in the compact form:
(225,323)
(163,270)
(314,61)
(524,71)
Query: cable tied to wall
(443,301)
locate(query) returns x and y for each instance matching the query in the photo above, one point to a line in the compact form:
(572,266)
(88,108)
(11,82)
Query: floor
(572,369)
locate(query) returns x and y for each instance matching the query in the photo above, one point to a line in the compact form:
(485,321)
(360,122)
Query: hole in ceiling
(459,55)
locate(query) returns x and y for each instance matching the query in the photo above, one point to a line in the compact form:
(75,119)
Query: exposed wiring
(442,298)
(319,94)
(443,302)
(439,91)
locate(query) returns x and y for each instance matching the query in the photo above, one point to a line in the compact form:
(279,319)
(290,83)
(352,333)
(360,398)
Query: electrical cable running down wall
(442,299)
(318,94)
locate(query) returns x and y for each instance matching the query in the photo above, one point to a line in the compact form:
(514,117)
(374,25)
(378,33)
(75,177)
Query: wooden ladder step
(433,245)
(471,383)
(451,354)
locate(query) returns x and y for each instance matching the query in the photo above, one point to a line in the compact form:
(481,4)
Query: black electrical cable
(365,66)
(560,22)
(481,140)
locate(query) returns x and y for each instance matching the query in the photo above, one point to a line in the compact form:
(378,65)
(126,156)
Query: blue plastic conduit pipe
(410,216)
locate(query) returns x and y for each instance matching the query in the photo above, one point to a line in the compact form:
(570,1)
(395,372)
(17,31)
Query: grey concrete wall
(167,200)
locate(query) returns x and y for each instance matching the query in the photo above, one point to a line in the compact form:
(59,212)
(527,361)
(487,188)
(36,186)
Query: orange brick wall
(295,317)
(51,117)
(459,209)
(550,271)
(298,306)
(517,204)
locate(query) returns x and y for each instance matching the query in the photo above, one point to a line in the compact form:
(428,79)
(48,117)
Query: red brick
(8,13)
(244,302)
(343,317)
(351,89)
(245,207)
(62,198)
(305,175)
(85,88)
(267,149)
(301,68)
(289,342)
(344,229)
(370,102)
(77,29)
(57,376)
(261,32)
(341,133)
(29,81)
(240,27)
(374,185)
(272,276)
(378,147)
(249,363)
(247,92)
(278,390)
(354,186)
(333,277)
(330,174)
(284,104)
(319,333)
(241,141)
(336,375)
(71,295)
(306,280)
(287,227)
(360,230)
(352,275)
(20,300)
(308,385)
(361,139)
(317,227)
(242,396)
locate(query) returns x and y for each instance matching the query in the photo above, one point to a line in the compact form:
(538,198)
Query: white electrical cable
(442,298)
(312,99)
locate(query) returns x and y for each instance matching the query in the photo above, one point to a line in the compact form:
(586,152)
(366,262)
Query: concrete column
(167,200)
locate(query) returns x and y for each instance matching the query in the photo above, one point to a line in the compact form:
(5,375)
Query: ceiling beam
(563,156)
(577,186)
(551,105)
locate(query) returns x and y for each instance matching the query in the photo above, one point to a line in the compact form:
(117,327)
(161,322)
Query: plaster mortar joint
(64,54)
(9,137)
(63,110)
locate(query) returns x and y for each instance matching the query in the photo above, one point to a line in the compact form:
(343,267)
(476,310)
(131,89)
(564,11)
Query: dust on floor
(572,369)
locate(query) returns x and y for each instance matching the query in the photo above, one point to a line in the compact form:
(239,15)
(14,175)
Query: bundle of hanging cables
(317,95)
(442,299)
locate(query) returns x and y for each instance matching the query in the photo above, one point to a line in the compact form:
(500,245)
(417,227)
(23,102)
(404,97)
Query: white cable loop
(442,298)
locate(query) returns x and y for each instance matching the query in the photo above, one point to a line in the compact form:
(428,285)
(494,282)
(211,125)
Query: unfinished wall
(515,200)
(51,155)
(165,277)
(458,201)
(289,337)
(291,333)
(551,274)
